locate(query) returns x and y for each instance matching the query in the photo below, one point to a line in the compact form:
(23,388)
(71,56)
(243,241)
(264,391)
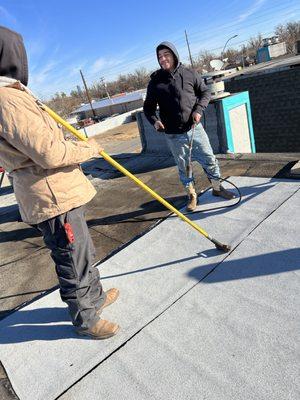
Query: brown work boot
(192,198)
(101,330)
(111,296)
(222,192)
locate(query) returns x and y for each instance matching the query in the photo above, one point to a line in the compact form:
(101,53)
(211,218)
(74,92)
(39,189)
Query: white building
(115,105)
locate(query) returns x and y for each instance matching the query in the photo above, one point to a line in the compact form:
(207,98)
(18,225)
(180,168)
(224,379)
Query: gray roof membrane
(235,335)
(194,327)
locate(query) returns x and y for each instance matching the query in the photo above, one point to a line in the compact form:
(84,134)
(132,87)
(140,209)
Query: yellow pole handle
(118,166)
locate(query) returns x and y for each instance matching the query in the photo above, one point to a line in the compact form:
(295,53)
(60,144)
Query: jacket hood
(13,58)
(170,46)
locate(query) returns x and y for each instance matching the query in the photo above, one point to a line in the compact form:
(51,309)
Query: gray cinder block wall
(275,105)
(154,142)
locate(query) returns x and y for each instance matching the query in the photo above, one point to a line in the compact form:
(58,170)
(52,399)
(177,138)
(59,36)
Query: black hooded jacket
(13,58)
(178,94)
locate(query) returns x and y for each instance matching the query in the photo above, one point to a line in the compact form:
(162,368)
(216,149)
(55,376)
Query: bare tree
(201,63)
(97,90)
(289,33)
(231,55)
(63,104)
(254,43)
(140,78)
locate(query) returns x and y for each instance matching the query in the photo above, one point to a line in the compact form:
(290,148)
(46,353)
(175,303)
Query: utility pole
(111,108)
(87,93)
(243,60)
(188,45)
(105,87)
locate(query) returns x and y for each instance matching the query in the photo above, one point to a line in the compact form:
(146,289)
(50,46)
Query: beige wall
(110,123)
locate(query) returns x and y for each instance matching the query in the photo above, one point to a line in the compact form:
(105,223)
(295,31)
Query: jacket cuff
(199,109)
(93,151)
(153,119)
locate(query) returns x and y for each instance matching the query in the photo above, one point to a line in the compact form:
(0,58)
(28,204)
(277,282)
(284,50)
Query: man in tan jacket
(51,189)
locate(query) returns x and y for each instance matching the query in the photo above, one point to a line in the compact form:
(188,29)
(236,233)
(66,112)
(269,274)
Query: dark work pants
(79,281)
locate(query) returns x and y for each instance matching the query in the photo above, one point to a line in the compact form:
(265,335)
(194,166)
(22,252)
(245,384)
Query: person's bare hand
(196,117)
(159,126)
(92,142)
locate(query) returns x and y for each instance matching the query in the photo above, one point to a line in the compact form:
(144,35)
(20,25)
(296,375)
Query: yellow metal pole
(124,171)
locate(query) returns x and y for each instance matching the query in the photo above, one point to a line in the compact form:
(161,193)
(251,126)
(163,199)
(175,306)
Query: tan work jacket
(47,179)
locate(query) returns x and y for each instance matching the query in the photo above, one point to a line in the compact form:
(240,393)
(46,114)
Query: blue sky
(105,39)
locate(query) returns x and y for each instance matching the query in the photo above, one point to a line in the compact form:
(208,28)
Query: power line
(251,17)
(113,71)
(118,69)
(243,28)
(235,44)
(209,49)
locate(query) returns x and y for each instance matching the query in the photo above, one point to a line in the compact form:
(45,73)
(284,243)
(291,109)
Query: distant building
(271,49)
(115,105)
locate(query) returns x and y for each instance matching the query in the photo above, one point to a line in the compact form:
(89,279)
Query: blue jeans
(202,152)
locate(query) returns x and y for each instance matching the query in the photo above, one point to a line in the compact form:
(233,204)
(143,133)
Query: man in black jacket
(182,97)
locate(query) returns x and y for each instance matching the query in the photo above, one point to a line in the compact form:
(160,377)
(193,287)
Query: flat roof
(277,64)
(195,322)
(126,98)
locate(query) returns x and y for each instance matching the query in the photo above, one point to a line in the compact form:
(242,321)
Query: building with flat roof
(115,105)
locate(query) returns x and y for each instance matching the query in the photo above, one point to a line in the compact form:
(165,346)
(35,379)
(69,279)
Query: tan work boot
(220,191)
(101,330)
(111,296)
(192,198)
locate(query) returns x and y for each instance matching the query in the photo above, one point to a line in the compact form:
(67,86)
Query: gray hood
(13,58)
(171,47)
